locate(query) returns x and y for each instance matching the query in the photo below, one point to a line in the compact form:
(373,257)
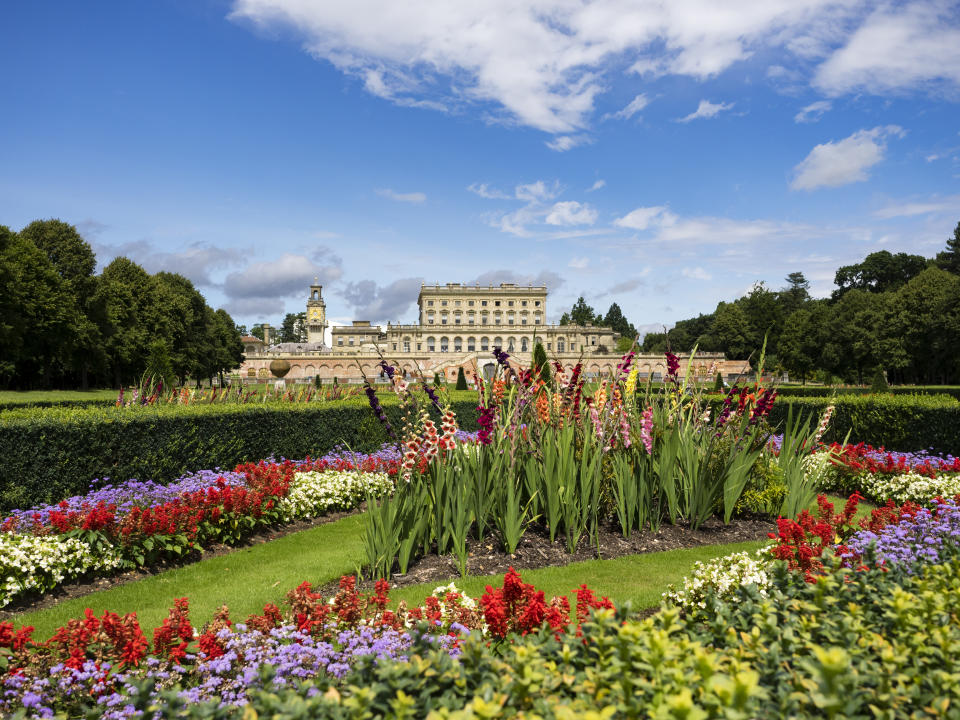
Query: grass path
(639,579)
(248,578)
(245,579)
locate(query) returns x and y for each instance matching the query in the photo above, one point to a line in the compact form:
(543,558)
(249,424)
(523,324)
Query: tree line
(63,326)
(896,314)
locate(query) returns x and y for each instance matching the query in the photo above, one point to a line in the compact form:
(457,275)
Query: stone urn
(279,368)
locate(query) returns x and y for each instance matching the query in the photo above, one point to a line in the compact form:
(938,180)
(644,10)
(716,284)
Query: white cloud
(195,262)
(562,143)
(643,217)
(910,209)
(846,161)
(579,263)
(537,191)
(631,109)
(415,198)
(485,191)
(899,47)
(597,185)
(543,63)
(571,212)
(286,276)
(696,273)
(706,109)
(812,112)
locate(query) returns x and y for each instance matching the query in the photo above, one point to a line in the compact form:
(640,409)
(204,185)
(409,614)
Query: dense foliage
(63,326)
(894,313)
(56,452)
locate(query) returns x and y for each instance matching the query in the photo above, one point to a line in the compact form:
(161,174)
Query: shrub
(461,379)
(879,382)
(55,453)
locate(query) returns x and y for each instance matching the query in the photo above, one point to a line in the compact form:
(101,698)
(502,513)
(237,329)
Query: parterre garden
(849,609)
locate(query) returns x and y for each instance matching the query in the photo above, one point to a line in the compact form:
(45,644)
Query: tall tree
(796,292)
(796,352)
(293,329)
(731,330)
(125,299)
(581,314)
(949,259)
(73,259)
(615,320)
(879,272)
(229,353)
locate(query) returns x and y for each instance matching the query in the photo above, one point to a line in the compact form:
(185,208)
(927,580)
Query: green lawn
(248,578)
(245,579)
(28,396)
(638,579)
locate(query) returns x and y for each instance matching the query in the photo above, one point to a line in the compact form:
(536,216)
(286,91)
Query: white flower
(724,575)
(910,486)
(316,493)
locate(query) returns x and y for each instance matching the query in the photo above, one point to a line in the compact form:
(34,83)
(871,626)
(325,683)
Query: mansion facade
(458,327)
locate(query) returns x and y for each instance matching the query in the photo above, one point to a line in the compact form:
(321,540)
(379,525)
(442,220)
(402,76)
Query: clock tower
(316,314)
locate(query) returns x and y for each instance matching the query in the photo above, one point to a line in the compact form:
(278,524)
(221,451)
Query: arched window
(444,344)
(523,345)
(484,344)
(498,342)
(431,344)
(471,344)
(561,345)
(510,346)
(458,344)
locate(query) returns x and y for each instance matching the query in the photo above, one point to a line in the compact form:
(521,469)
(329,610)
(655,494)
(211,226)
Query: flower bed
(140,523)
(106,659)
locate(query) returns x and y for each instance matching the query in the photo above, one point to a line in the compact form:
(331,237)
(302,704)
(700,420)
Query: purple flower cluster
(378,410)
(921,539)
(291,654)
(129,494)
(432,394)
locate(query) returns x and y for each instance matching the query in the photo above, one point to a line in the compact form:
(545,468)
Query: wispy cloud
(631,108)
(597,185)
(485,191)
(706,109)
(643,217)
(562,143)
(911,209)
(813,112)
(416,198)
(571,213)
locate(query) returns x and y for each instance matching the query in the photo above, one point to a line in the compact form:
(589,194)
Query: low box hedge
(55,453)
(898,422)
(827,391)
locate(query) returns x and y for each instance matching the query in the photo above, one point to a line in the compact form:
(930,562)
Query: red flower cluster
(519,607)
(801,542)
(863,458)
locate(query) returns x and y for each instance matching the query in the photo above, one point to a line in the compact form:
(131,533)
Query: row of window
(483,303)
(485,345)
(484,319)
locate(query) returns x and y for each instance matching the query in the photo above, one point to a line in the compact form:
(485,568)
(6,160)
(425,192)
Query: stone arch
(471,344)
(263,373)
(458,344)
(444,344)
(309,371)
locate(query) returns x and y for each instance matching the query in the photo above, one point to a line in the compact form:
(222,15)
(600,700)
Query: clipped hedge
(826,391)
(55,453)
(44,404)
(897,422)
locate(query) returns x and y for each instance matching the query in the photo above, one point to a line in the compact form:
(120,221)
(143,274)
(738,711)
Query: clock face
(314,314)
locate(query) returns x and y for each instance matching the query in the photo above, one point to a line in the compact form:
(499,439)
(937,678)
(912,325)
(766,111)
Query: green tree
(124,298)
(229,348)
(541,366)
(879,272)
(949,259)
(879,384)
(37,314)
(850,337)
(159,367)
(461,379)
(581,314)
(731,331)
(795,293)
(796,351)
(293,329)
(257,331)
(73,259)
(615,320)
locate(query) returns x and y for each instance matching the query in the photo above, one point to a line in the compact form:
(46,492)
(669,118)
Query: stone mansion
(458,326)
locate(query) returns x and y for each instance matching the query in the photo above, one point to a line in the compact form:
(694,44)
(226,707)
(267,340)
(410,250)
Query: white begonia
(723,575)
(818,469)
(910,486)
(32,563)
(315,493)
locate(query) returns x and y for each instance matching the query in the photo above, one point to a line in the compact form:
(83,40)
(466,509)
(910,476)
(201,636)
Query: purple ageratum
(921,539)
(129,494)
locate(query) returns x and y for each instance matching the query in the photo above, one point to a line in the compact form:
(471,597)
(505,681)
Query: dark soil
(79,588)
(536,551)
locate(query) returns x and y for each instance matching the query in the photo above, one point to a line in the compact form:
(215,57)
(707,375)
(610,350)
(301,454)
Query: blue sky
(661,155)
